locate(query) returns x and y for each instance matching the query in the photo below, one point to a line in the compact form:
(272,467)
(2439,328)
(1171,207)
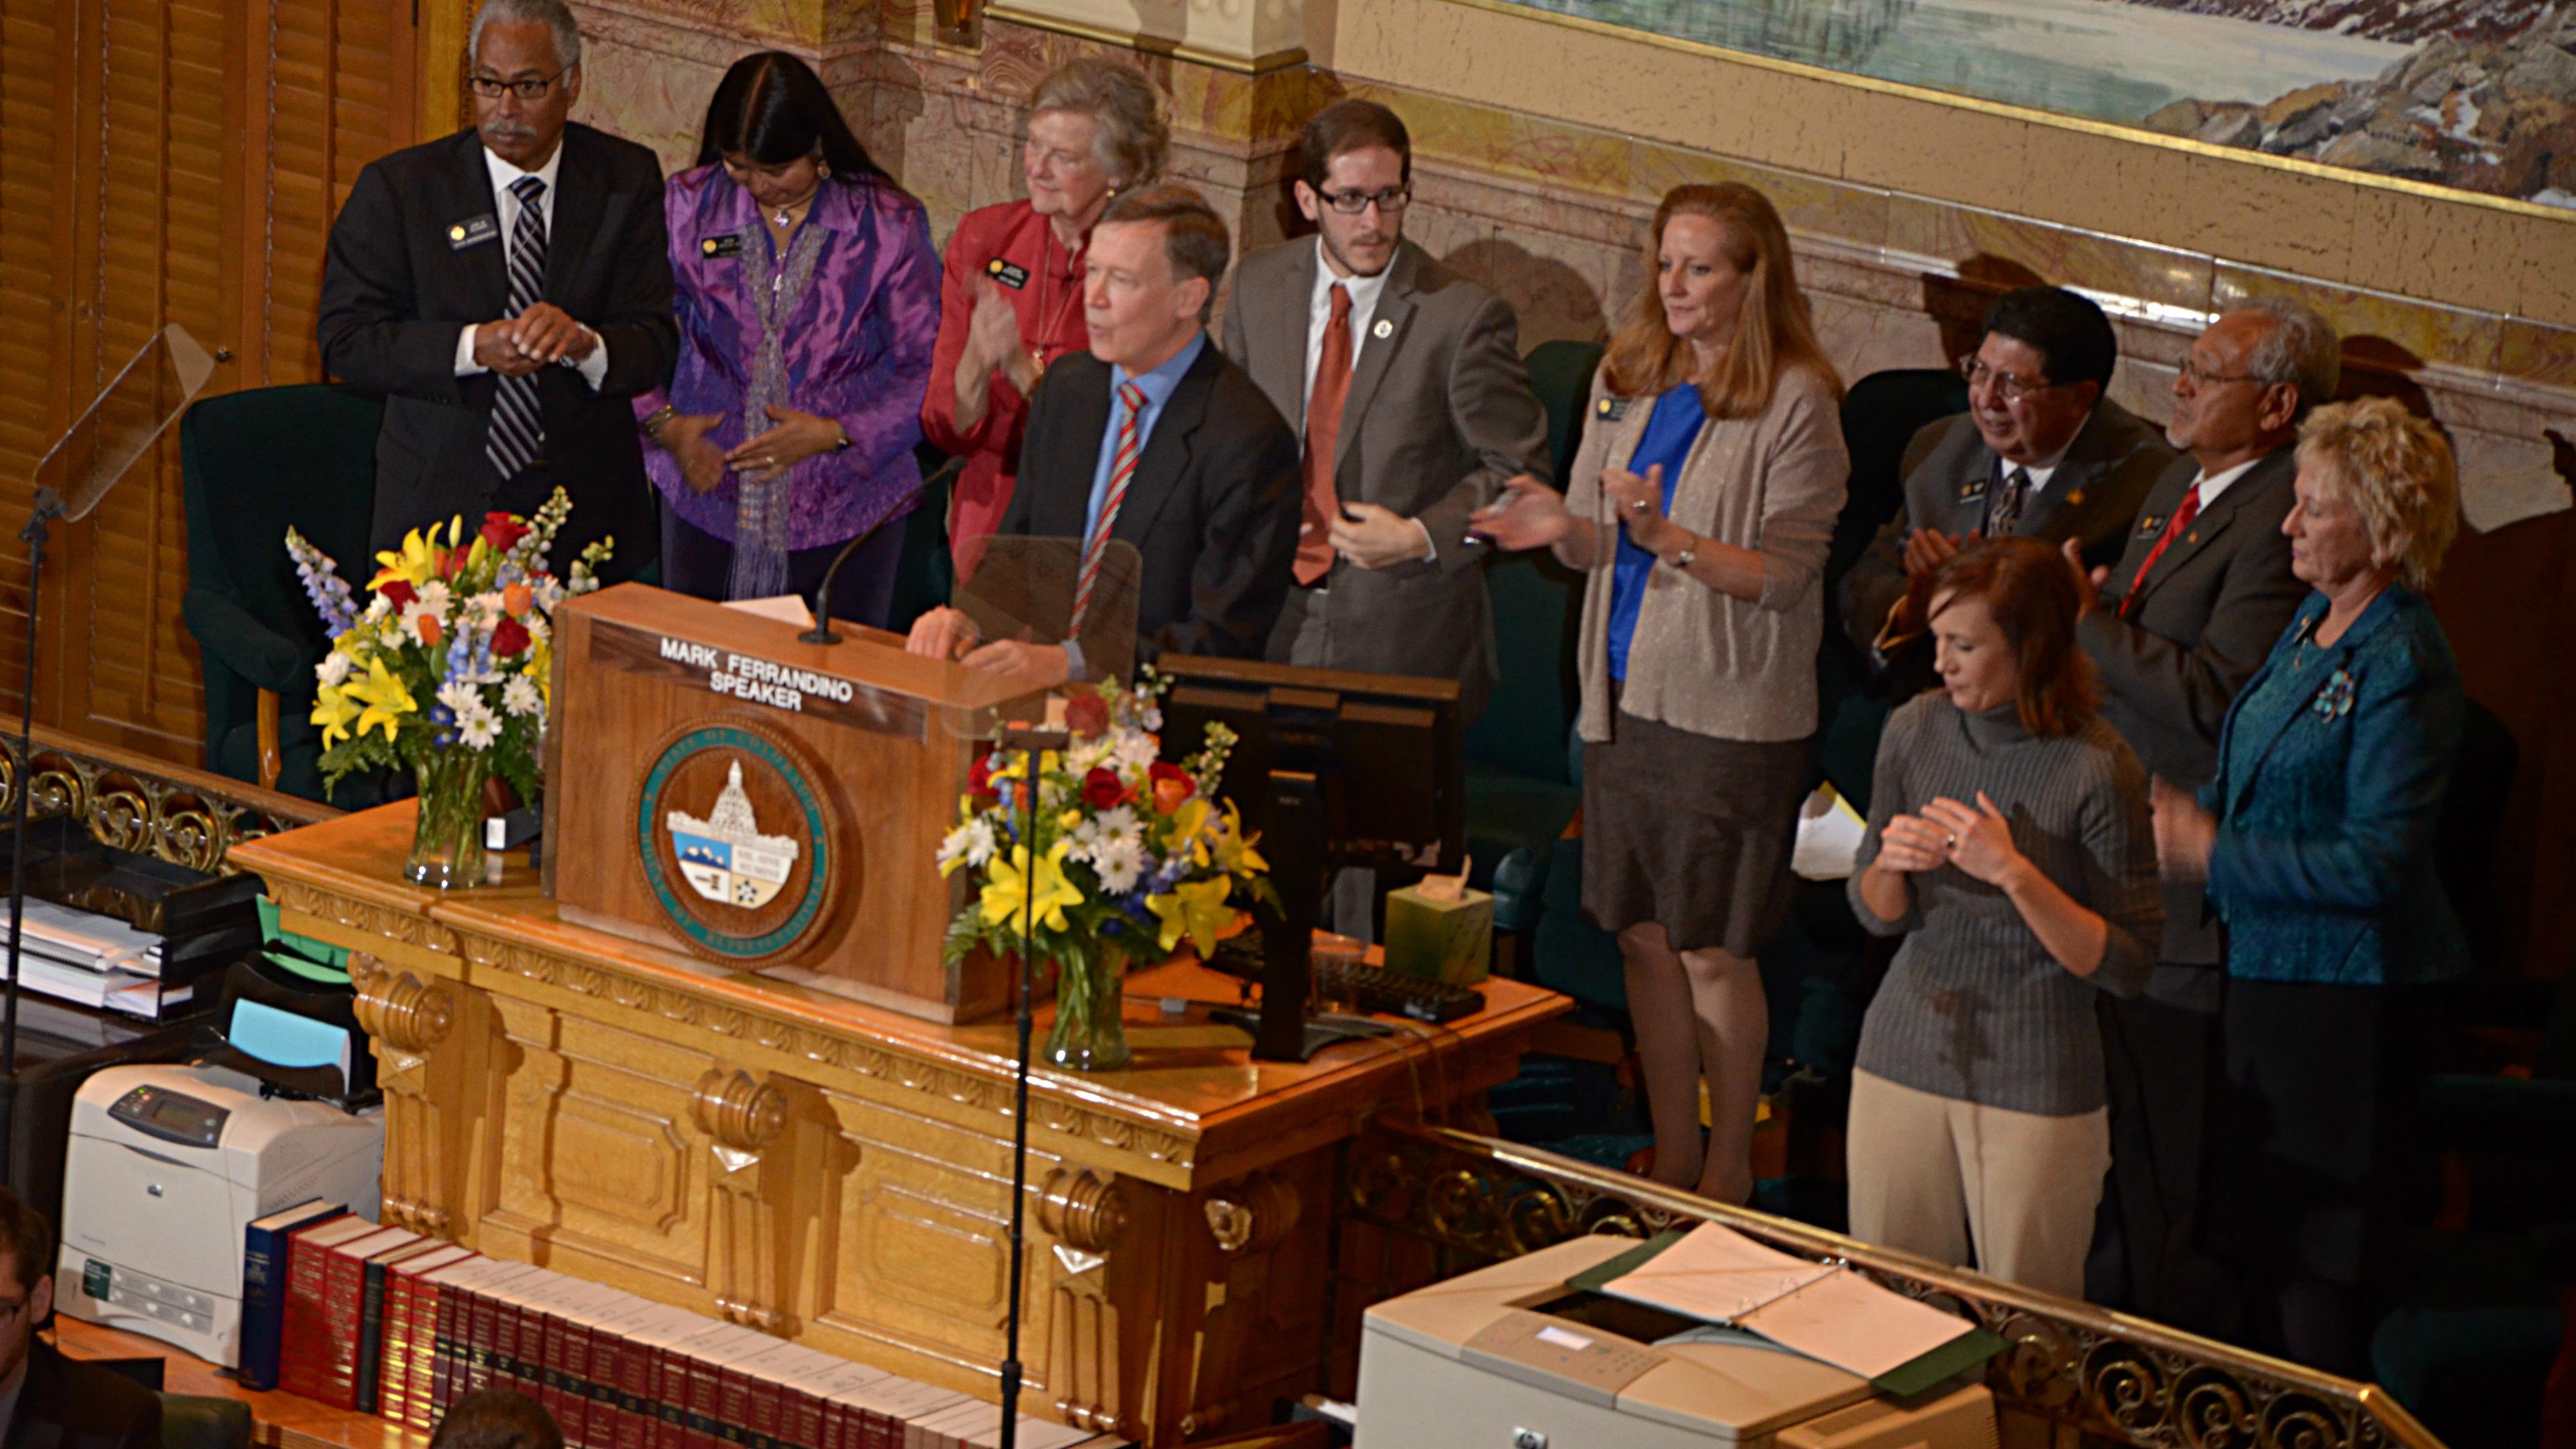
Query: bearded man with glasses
(2042,452)
(508,289)
(1405,385)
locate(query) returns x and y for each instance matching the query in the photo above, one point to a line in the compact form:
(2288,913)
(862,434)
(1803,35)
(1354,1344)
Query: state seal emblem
(740,842)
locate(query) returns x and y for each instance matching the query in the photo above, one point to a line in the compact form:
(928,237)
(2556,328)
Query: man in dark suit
(1151,439)
(507,289)
(2184,618)
(48,1401)
(2040,453)
(1406,381)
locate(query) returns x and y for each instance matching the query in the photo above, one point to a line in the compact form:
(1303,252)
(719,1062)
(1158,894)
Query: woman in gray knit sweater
(2010,841)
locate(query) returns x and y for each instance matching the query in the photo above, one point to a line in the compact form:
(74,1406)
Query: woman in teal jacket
(2316,843)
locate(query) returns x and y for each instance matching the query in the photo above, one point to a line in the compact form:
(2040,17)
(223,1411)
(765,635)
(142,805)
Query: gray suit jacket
(2094,495)
(1439,413)
(2206,617)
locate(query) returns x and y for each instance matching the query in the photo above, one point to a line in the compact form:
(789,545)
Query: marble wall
(1542,146)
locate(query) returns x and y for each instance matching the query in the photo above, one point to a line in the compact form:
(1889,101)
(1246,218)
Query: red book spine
(302,1316)
(510,1369)
(567,1374)
(429,1314)
(749,1404)
(481,1332)
(706,1418)
(598,1368)
(835,1422)
(393,1375)
(343,1286)
(800,1419)
(636,1395)
(671,1376)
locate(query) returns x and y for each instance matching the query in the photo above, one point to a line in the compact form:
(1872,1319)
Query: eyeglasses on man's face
(532,90)
(2011,387)
(2199,377)
(1351,203)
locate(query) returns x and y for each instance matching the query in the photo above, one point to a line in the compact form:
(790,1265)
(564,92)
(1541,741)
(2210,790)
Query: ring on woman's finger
(1949,840)
(1637,506)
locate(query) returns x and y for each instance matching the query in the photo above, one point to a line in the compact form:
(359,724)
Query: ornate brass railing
(2073,1369)
(147,806)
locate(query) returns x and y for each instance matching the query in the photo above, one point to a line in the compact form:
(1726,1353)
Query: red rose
(400,592)
(1087,714)
(509,638)
(979,778)
(1102,789)
(503,531)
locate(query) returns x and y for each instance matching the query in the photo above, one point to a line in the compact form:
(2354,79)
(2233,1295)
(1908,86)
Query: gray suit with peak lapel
(2093,496)
(2203,620)
(1439,414)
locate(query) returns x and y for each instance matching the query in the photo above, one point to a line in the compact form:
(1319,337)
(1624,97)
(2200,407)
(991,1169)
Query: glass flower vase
(447,843)
(1090,1034)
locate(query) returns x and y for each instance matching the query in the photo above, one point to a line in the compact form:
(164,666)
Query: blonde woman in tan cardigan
(1701,505)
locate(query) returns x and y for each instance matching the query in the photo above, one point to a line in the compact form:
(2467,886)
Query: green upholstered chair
(255,462)
(1520,795)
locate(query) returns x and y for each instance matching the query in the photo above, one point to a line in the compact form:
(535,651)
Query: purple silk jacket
(857,348)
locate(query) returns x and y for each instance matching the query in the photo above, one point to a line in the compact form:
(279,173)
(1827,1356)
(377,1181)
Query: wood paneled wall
(165,161)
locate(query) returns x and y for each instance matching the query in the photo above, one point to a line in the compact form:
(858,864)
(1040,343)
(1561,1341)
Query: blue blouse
(2331,772)
(1670,432)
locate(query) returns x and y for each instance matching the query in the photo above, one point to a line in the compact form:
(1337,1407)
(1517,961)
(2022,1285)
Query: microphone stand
(48,507)
(822,633)
(1029,741)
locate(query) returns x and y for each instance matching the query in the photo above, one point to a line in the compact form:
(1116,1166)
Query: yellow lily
(418,560)
(1196,910)
(1189,827)
(333,711)
(1016,767)
(1006,892)
(1234,849)
(385,698)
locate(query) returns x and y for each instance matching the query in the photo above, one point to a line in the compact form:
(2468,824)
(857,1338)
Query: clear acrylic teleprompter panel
(1024,589)
(124,420)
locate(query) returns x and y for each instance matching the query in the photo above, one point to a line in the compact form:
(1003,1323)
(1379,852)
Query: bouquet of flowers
(1108,855)
(446,671)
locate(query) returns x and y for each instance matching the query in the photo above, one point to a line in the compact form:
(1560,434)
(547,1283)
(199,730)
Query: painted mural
(2478,94)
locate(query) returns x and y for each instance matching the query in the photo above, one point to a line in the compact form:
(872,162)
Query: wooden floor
(281,1420)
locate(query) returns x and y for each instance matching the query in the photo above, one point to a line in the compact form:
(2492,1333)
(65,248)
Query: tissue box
(1439,940)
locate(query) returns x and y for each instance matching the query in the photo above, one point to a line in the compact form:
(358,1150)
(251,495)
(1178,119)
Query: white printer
(168,1165)
(1509,1356)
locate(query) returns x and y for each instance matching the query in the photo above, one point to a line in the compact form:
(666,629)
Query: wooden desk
(840,1174)
(279,1420)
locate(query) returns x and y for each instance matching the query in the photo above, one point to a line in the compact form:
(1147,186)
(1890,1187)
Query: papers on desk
(1824,1311)
(94,960)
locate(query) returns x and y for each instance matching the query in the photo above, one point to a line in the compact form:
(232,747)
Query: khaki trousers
(1932,1175)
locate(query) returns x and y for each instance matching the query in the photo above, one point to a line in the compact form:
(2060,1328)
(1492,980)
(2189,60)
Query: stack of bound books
(384,1321)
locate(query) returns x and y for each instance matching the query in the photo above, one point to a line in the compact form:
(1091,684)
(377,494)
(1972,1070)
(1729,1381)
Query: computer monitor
(1334,768)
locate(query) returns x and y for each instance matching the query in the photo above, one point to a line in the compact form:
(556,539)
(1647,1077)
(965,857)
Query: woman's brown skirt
(1692,833)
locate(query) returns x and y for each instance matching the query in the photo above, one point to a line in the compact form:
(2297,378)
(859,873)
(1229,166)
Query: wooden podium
(721,1066)
(720,787)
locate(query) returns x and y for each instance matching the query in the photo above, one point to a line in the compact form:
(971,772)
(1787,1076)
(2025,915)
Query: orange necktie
(1323,435)
(2184,513)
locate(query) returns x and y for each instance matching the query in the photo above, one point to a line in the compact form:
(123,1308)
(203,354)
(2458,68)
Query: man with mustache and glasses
(2042,452)
(1404,381)
(508,289)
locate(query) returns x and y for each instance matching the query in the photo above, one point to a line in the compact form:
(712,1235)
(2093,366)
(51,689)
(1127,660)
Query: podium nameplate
(719,787)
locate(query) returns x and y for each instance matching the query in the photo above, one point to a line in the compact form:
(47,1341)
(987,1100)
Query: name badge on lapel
(2150,524)
(1009,275)
(1615,408)
(728,245)
(1972,490)
(473,231)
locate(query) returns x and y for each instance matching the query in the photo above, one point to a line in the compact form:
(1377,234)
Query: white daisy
(333,669)
(971,842)
(435,596)
(1119,860)
(1118,822)
(520,696)
(459,697)
(481,611)
(377,608)
(478,726)
(1134,752)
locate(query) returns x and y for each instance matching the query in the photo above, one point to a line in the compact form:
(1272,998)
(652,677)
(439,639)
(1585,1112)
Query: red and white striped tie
(1122,467)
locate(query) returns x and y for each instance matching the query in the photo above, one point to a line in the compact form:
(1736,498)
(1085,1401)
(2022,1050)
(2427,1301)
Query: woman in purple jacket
(808,301)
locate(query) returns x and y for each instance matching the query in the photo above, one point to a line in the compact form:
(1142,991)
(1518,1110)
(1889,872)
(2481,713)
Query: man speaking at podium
(1152,438)
(507,288)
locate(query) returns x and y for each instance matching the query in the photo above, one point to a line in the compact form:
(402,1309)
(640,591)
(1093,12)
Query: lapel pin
(1383,330)
(2075,498)
(456,233)
(707,247)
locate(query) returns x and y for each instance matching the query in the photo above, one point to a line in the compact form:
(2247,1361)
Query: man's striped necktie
(518,432)
(1122,467)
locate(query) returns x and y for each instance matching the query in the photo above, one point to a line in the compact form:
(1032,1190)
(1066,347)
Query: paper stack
(94,960)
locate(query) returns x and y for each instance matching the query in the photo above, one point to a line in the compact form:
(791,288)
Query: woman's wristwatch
(1688,556)
(653,424)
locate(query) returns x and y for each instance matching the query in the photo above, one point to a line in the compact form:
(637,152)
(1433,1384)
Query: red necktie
(2184,513)
(1121,469)
(1323,437)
